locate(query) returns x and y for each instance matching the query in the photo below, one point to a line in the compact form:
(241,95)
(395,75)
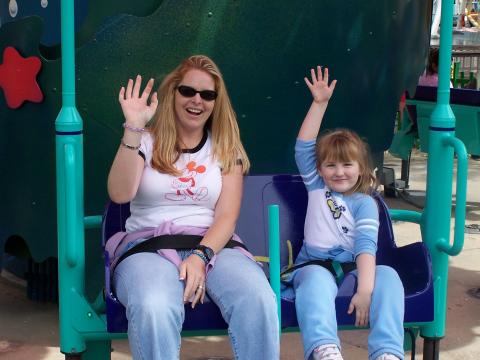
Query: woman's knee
(156,303)
(261,294)
(254,305)
(256,293)
(233,270)
(241,284)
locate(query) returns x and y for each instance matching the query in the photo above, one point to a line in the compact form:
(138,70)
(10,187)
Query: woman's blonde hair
(226,144)
(345,145)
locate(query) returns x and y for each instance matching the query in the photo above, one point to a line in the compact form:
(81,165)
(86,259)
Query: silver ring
(200,287)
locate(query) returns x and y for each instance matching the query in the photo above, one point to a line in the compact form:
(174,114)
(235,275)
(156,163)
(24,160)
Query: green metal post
(274,254)
(439,184)
(71,256)
(75,315)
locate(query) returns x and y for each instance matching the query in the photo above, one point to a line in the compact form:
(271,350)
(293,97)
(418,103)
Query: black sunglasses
(188,92)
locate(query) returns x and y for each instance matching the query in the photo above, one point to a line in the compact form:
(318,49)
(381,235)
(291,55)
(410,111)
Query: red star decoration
(18,78)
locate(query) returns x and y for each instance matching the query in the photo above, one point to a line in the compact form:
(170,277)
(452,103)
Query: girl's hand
(192,271)
(136,110)
(319,87)
(361,304)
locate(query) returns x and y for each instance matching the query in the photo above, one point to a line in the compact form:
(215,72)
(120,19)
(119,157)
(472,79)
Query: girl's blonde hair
(345,145)
(226,144)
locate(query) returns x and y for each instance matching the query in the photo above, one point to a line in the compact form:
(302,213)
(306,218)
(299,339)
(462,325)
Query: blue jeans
(315,292)
(148,286)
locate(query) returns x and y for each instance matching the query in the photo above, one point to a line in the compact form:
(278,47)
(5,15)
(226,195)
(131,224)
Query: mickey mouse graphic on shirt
(184,186)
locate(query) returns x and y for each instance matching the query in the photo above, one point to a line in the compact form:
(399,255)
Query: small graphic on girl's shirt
(332,205)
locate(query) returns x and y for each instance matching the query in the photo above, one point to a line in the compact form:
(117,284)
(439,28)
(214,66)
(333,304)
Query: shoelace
(387,357)
(328,353)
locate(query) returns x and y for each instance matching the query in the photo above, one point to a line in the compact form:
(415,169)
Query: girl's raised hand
(135,107)
(321,91)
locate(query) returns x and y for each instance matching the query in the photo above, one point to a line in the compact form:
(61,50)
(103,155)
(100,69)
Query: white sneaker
(327,352)
(387,356)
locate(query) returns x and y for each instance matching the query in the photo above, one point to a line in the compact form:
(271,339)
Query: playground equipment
(87,324)
(465,104)
(259,221)
(83,331)
(458,79)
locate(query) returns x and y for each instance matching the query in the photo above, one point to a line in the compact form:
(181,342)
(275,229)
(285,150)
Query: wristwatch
(208,252)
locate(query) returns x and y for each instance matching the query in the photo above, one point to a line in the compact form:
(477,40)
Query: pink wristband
(132,128)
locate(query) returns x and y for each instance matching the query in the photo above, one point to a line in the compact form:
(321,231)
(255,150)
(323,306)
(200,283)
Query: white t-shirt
(188,199)
(333,219)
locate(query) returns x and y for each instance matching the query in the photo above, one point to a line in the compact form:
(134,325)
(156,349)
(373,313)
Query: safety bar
(461,198)
(92,222)
(406,215)
(274,253)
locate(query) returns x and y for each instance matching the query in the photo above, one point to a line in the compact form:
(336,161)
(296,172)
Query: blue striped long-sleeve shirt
(333,219)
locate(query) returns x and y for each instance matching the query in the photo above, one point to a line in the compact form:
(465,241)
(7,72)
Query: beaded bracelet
(128,146)
(201,255)
(133,128)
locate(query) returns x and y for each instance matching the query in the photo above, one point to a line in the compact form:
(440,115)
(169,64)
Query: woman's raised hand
(136,110)
(321,91)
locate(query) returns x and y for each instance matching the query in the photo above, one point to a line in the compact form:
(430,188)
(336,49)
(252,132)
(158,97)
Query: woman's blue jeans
(148,286)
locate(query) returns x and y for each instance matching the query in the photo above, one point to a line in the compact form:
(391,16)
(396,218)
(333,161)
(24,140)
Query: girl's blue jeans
(315,292)
(148,286)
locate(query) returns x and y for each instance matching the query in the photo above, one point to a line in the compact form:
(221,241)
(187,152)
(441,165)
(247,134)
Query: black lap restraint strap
(337,269)
(177,242)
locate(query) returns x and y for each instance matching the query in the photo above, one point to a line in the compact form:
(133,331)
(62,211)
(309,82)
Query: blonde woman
(183,175)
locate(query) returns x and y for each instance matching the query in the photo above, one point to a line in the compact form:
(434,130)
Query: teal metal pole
(461,198)
(274,254)
(69,164)
(406,215)
(78,321)
(439,179)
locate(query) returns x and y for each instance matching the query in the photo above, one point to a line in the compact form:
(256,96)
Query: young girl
(342,225)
